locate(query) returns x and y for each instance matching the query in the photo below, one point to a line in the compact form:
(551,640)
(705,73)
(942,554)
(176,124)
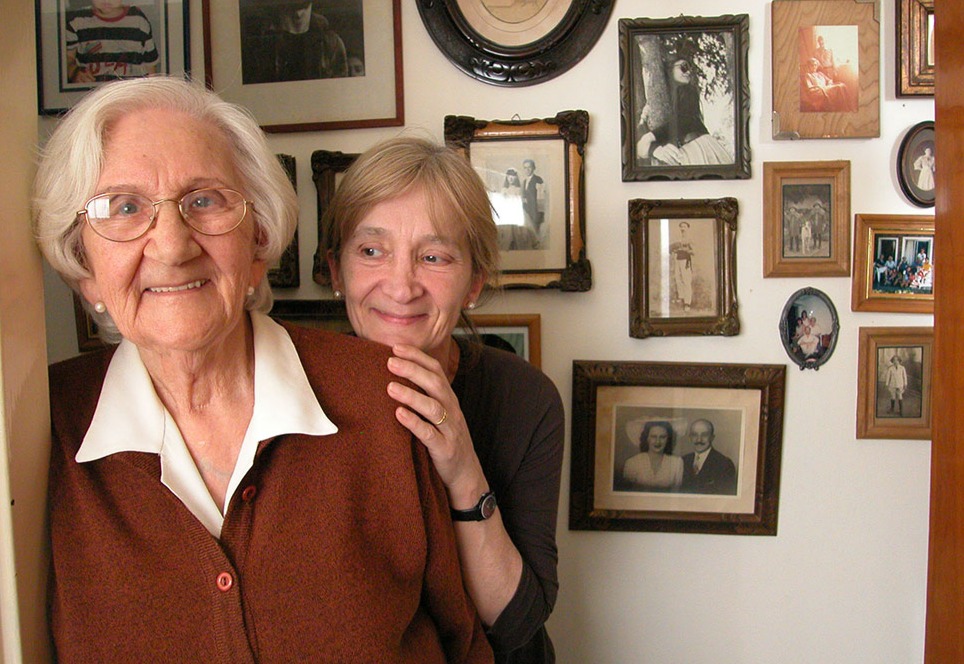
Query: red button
(225,581)
(249,493)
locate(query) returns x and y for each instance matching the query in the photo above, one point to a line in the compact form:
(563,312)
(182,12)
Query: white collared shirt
(130,417)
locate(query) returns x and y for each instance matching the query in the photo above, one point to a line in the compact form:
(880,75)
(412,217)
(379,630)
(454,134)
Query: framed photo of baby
(685,98)
(676,447)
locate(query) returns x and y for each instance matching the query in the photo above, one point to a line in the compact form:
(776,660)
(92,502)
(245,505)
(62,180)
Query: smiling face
(172,288)
(701,435)
(657,439)
(404,280)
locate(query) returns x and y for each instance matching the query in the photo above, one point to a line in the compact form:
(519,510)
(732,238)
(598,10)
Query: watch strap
(484,509)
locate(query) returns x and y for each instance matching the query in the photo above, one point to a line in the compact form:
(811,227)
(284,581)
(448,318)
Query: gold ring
(444,417)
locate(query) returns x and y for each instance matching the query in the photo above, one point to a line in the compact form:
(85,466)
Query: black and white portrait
(900,371)
(807,215)
(683,268)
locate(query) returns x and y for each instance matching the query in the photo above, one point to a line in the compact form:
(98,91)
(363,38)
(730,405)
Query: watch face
(488,506)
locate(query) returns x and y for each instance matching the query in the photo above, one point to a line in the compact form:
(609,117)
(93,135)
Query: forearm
(491,565)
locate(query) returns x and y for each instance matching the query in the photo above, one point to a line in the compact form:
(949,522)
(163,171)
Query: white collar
(131,418)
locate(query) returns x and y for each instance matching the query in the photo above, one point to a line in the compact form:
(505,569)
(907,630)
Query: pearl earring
(337,293)
(470,306)
(100,307)
(250,291)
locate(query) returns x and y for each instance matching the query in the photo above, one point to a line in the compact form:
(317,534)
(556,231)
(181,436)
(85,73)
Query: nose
(170,240)
(401,282)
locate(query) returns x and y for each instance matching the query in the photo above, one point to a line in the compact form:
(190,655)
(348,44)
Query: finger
(432,382)
(428,408)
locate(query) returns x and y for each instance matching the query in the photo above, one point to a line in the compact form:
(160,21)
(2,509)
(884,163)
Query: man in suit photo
(707,470)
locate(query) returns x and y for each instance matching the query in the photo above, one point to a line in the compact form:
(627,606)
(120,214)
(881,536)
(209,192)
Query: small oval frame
(815,303)
(912,160)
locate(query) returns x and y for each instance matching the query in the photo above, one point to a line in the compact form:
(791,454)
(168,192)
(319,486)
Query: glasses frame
(184,217)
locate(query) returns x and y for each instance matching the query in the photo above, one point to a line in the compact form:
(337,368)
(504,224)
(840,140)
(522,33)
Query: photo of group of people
(828,68)
(520,200)
(689,451)
(806,220)
(809,326)
(904,264)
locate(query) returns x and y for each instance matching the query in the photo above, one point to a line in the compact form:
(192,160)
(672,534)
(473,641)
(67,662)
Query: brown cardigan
(334,549)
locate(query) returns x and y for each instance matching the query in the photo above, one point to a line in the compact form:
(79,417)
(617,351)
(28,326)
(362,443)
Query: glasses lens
(213,211)
(119,217)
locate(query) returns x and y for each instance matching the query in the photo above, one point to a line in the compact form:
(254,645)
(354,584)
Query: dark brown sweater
(334,549)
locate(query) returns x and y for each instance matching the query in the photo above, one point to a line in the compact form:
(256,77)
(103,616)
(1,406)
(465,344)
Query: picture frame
(60,84)
(915,48)
(682,256)
(685,98)
(916,164)
(806,219)
(355,81)
(894,374)
(907,286)
(327,166)
(520,333)
(88,338)
(809,328)
(326,314)
(612,402)
(285,273)
(512,44)
(542,215)
(829,85)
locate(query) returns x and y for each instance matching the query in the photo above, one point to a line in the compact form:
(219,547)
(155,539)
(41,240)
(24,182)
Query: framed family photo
(826,68)
(308,67)
(676,447)
(893,263)
(327,168)
(514,43)
(682,256)
(83,44)
(806,219)
(684,94)
(894,382)
(915,48)
(533,172)
(916,164)
(809,327)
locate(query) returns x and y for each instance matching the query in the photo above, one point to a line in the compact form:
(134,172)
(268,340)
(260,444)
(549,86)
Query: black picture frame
(326,165)
(537,45)
(809,327)
(677,125)
(170,30)
(745,404)
(916,164)
(286,274)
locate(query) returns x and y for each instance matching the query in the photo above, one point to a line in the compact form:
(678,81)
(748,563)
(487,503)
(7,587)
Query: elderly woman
(411,243)
(655,468)
(222,489)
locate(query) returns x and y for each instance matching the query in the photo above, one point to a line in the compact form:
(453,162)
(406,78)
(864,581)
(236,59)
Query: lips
(177,289)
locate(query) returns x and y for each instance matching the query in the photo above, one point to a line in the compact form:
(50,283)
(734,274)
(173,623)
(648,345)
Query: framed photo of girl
(684,93)
(682,256)
(893,263)
(894,382)
(84,43)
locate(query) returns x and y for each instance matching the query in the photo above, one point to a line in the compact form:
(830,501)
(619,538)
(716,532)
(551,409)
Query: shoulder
(326,350)
(505,371)
(75,386)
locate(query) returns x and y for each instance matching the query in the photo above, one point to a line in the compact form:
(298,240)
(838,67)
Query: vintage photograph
(533,172)
(683,278)
(809,327)
(894,259)
(916,164)
(83,43)
(915,48)
(676,447)
(894,382)
(829,68)
(903,264)
(684,102)
(806,219)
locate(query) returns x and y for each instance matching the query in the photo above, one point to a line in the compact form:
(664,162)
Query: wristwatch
(482,510)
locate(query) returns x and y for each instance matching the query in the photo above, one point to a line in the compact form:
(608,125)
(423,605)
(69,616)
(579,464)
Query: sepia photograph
(829,68)
(683,268)
(916,164)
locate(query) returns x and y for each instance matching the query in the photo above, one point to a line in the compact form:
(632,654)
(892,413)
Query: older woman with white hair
(222,488)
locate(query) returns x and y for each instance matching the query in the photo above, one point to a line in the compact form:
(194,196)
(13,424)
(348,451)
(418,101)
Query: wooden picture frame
(894,374)
(898,288)
(682,256)
(809,327)
(611,404)
(915,48)
(358,85)
(326,167)
(88,338)
(685,98)
(806,219)
(828,85)
(285,273)
(58,84)
(522,333)
(542,217)
(512,44)
(916,164)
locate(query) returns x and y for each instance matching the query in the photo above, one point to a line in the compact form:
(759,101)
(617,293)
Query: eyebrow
(192,185)
(379,231)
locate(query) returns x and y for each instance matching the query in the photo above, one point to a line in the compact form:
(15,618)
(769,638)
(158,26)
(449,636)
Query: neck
(448,356)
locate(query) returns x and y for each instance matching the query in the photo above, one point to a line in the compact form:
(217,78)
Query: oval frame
(557,48)
(918,138)
(816,303)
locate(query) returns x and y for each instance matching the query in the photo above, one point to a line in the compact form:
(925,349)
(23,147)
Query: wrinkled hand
(449,443)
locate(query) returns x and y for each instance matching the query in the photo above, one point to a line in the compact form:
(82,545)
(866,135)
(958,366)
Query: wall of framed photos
(843,579)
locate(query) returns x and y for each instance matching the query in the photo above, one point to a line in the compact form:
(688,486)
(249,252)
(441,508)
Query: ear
(478,283)
(90,291)
(259,268)
(334,269)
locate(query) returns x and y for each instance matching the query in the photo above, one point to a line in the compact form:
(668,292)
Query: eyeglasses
(122,216)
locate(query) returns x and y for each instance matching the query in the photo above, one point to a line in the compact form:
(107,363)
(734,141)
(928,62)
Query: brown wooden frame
(325,167)
(788,17)
(867,229)
(869,423)
(287,274)
(572,128)
(487,324)
(915,77)
(642,320)
(596,389)
(778,174)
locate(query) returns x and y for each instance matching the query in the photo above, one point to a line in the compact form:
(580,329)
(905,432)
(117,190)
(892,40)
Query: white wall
(844,579)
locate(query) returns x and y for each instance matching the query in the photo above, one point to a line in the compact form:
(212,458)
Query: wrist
(465,495)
